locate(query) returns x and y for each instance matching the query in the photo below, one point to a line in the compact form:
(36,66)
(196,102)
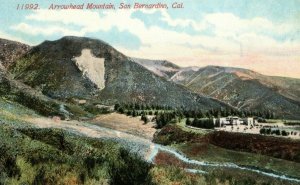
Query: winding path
(144,147)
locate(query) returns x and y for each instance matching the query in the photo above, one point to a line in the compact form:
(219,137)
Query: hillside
(84,68)
(10,51)
(17,92)
(162,68)
(244,89)
(54,156)
(288,87)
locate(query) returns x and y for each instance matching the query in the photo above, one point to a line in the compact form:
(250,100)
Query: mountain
(241,88)
(288,87)
(11,51)
(90,69)
(162,68)
(244,89)
(17,92)
(73,68)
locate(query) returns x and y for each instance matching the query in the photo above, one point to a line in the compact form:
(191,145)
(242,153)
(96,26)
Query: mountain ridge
(245,89)
(241,88)
(51,66)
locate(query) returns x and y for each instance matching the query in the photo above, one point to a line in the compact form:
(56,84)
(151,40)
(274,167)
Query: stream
(144,147)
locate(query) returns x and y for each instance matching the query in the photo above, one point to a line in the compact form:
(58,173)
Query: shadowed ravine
(144,147)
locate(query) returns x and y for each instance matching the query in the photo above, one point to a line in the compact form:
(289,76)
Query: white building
(233,120)
(236,120)
(249,121)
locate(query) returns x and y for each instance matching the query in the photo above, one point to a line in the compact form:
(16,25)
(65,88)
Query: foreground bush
(52,156)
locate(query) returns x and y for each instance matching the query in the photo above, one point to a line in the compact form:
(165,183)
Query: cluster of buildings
(234,120)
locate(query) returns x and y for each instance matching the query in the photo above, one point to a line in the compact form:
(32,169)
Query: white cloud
(227,24)
(161,40)
(13,38)
(232,34)
(51,21)
(197,25)
(45,30)
(88,20)
(92,22)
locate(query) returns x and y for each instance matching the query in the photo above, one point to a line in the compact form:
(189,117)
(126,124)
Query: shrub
(53,156)
(284,133)
(262,131)
(129,170)
(188,121)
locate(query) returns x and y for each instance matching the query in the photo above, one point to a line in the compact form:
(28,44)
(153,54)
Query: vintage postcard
(142,92)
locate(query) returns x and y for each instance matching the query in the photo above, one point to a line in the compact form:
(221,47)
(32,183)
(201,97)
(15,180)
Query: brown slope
(244,89)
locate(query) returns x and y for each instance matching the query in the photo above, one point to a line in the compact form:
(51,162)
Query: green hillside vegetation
(52,156)
(15,91)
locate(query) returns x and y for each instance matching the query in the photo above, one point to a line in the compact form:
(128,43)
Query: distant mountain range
(241,88)
(90,69)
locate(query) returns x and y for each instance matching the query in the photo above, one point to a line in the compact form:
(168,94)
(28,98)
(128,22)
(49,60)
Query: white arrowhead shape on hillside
(91,67)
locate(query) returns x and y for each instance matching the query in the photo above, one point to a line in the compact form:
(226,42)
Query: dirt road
(144,147)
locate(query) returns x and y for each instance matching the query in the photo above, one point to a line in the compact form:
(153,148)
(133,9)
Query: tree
(131,106)
(218,114)
(117,106)
(188,121)
(284,133)
(129,113)
(277,132)
(121,110)
(208,114)
(200,114)
(262,131)
(208,123)
(134,113)
(136,106)
(195,122)
(144,118)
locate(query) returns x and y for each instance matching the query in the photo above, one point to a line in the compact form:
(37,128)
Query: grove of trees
(198,118)
(200,123)
(269,131)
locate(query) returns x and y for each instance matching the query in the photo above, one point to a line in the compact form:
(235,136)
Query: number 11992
(27,6)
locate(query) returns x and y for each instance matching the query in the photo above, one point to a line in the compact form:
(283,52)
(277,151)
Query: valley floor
(138,140)
(121,122)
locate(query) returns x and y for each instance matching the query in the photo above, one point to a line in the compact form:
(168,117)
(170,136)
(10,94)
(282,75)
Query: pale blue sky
(246,33)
